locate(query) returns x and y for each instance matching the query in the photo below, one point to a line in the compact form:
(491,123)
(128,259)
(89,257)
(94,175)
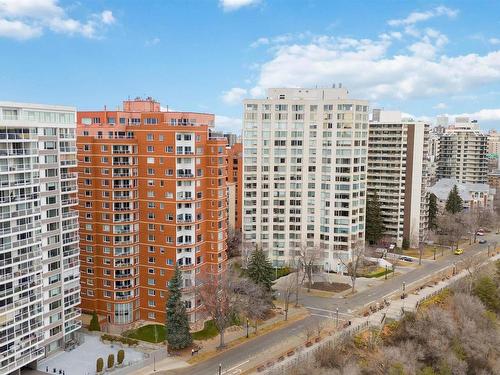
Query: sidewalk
(237,334)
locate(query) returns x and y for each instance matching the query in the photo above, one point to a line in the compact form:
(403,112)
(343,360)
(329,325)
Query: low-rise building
(472,194)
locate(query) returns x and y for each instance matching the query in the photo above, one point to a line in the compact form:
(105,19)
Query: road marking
(235,367)
(330,311)
(324,316)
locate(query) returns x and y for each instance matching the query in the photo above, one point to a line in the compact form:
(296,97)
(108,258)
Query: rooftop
(443,187)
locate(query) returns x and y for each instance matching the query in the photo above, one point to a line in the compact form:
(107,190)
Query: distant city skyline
(423,58)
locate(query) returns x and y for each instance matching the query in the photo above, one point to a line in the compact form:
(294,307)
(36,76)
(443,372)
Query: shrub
(99,365)
(123,340)
(486,290)
(94,323)
(121,356)
(111,360)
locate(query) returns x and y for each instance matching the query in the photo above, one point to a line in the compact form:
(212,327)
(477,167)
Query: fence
(301,354)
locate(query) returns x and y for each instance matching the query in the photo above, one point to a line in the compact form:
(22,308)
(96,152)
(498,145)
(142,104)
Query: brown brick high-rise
(152,189)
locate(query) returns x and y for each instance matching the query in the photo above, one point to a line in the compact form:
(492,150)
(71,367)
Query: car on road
(406,259)
(482,241)
(480,232)
(458,251)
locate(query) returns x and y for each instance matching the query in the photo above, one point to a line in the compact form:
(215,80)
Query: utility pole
(220,369)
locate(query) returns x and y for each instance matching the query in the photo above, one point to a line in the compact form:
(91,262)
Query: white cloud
(152,42)
(367,69)
(416,17)
(18,30)
(440,106)
(228,124)
(230,5)
(260,42)
(492,114)
(107,17)
(25,19)
(494,41)
(234,95)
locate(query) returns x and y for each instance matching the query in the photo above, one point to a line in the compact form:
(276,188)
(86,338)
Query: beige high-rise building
(305,155)
(463,152)
(398,175)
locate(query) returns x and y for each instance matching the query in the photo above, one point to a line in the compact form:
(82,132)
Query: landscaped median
(211,347)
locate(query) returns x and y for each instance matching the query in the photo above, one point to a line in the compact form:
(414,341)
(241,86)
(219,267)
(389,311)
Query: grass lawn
(209,330)
(380,271)
(151,333)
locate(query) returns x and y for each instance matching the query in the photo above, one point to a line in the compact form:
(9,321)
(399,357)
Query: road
(246,355)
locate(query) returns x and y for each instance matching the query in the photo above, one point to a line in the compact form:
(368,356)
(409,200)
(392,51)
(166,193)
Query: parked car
(482,241)
(480,232)
(458,251)
(406,259)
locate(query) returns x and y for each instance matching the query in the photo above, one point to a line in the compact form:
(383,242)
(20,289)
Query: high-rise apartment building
(39,274)
(234,185)
(152,188)
(397,174)
(305,155)
(463,152)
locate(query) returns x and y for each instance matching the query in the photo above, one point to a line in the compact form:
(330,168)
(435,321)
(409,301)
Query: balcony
(70,175)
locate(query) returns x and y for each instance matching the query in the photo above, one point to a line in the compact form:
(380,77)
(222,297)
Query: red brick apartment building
(152,193)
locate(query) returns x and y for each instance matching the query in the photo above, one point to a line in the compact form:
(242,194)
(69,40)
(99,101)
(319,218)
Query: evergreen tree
(177,324)
(94,323)
(374,224)
(260,269)
(454,203)
(433,211)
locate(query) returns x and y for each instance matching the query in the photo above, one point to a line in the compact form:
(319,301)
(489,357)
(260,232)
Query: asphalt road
(247,355)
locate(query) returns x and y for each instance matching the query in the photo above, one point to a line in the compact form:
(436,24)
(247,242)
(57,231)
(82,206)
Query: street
(234,361)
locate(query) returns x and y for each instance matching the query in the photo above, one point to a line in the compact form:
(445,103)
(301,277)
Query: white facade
(304,179)
(39,266)
(397,174)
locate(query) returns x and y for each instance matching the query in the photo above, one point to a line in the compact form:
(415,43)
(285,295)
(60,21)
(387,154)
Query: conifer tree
(433,211)
(454,203)
(374,223)
(260,270)
(177,324)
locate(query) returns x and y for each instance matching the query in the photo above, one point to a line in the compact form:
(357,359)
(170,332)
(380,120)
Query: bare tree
(224,296)
(246,252)
(309,258)
(289,286)
(358,255)
(233,243)
(450,229)
(255,301)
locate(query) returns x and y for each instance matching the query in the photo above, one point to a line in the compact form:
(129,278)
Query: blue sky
(424,58)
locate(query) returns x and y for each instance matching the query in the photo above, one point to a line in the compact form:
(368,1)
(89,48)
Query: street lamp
(220,369)
(404,289)
(386,271)
(434,253)
(154,362)
(393,269)
(247,328)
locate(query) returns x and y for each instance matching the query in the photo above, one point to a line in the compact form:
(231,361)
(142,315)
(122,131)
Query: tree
(374,223)
(487,292)
(433,212)
(450,229)
(99,365)
(260,270)
(94,323)
(233,243)
(120,357)
(357,251)
(257,300)
(177,324)
(454,203)
(223,299)
(289,285)
(309,257)
(111,361)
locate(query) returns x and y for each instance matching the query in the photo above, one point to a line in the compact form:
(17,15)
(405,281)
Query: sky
(424,58)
